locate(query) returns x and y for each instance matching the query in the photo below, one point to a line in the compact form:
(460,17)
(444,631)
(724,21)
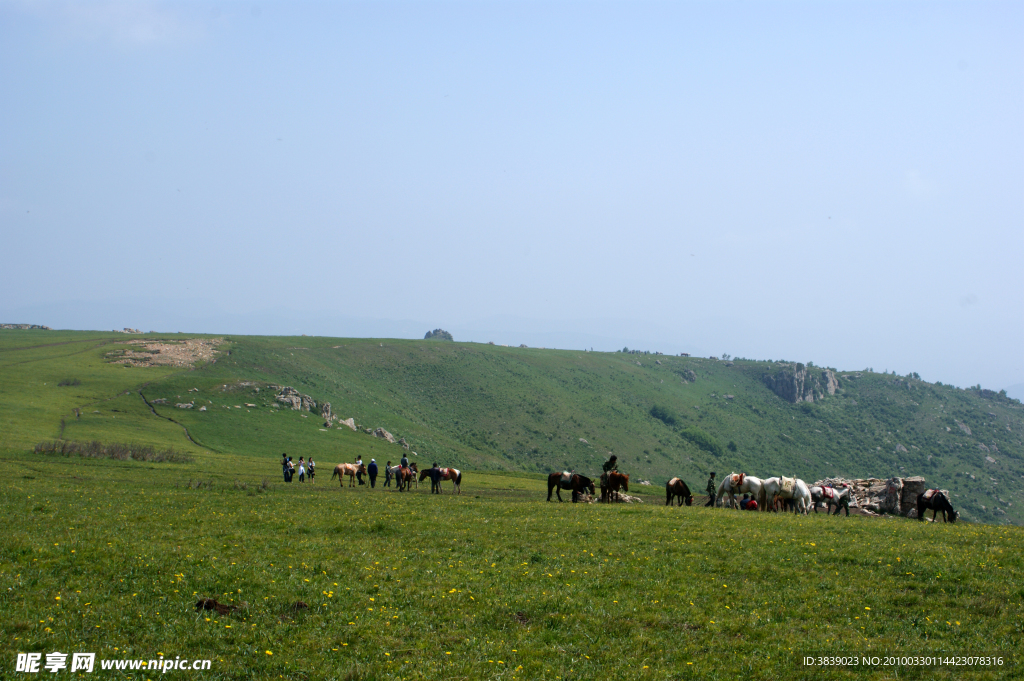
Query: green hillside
(485,407)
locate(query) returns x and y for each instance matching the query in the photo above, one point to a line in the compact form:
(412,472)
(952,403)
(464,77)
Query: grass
(111,556)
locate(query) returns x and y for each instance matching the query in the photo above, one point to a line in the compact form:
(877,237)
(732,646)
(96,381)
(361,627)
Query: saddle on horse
(787,485)
(828,493)
(566,479)
(928,494)
(737,480)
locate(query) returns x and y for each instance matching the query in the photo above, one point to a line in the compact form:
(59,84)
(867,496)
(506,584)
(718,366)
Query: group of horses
(771,494)
(405,476)
(611,485)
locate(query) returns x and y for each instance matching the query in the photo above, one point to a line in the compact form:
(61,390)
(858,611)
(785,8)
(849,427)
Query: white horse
(840,496)
(773,487)
(737,483)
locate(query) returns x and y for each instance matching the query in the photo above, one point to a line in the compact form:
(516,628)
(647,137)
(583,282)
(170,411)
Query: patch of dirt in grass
(144,353)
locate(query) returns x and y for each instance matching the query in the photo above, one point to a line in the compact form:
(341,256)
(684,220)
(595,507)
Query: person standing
(291,469)
(711,491)
(372,471)
(312,470)
(387,474)
(284,466)
(359,466)
(435,479)
(302,470)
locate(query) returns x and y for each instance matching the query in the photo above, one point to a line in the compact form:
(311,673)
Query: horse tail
(458,478)
(334,474)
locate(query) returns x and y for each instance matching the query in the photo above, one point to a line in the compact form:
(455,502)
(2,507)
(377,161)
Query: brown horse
(934,500)
(577,483)
(612,483)
(406,476)
(677,488)
(349,469)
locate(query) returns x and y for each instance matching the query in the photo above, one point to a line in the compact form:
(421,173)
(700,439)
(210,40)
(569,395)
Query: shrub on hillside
(663,415)
(701,439)
(119,451)
(438,334)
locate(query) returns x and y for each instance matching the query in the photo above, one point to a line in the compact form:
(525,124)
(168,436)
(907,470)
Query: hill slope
(492,407)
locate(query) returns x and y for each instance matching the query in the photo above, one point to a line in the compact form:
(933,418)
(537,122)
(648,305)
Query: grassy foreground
(110,557)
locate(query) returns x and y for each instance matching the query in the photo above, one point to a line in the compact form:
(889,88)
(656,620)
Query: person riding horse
(612,464)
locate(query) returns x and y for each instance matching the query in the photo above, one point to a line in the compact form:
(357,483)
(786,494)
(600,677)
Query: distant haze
(839,183)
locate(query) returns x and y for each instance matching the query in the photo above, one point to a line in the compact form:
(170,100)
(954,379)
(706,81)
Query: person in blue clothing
(371,470)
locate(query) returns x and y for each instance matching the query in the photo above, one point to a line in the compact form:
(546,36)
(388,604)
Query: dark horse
(934,500)
(612,484)
(677,488)
(577,483)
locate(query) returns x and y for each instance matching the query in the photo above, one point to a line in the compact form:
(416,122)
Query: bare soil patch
(143,353)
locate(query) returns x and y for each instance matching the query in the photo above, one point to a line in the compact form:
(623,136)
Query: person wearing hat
(711,491)
(371,470)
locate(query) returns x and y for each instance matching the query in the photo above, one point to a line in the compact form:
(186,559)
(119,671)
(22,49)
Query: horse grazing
(453,474)
(829,496)
(677,488)
(349,469)
(737,483)
(935,500)
(405,476)
(575,482)
(785,488)
(612,483)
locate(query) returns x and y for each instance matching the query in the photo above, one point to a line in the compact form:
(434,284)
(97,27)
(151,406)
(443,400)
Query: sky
(836,182)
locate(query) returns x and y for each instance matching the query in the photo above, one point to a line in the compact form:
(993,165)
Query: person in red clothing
(748,504)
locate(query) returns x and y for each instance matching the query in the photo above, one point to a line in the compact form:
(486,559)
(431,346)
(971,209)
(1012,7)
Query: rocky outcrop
(912,487)
(963,426)
(25,326)
(797,383)
(184,405)
(325,412)
(295,399)
(350,422)
(384,435)
(687,375)
(895,496)
(405,445)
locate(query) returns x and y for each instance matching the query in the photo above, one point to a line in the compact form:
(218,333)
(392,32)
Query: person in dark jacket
(371,470)
(712,489)
(387,474)
(435,479)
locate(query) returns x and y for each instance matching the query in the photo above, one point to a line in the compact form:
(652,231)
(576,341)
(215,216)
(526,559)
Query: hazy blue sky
(840,182)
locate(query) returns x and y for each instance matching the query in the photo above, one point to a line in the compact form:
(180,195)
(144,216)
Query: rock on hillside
(895,496)
(384,435)
(797,383)
(297,400)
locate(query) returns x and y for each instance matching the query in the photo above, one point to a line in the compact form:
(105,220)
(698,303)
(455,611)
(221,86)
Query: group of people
(290,469)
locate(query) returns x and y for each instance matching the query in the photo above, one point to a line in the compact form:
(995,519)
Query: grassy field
(110,556)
